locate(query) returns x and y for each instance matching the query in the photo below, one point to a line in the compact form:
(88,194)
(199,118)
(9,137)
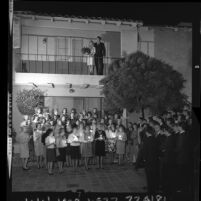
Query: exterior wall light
(69,85)
(53,86)
(33,84)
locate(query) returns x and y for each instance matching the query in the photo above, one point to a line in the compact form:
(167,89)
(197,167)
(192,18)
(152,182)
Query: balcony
(56,64)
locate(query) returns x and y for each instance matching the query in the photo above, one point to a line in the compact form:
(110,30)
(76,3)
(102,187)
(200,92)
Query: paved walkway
(112,178)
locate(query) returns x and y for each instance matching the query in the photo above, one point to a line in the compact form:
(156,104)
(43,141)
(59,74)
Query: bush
(28,100)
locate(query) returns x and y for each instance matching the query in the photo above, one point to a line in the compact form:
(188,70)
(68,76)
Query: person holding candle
(100,138)
(24,139)
(87,139)
(73,139)
(50,151)
(93,129)
(68,131)
(81,137)
(38,146)
(111,141)
(120,143)
(61,144)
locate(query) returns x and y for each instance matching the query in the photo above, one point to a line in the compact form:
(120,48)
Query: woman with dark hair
(121,143)
(63,120)
(100,138)
(89,118)
(65,113)
(50,151)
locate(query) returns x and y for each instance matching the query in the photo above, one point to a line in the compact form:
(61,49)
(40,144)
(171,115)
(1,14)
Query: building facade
(47,53)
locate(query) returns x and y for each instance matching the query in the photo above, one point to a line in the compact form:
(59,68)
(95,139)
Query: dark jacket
(169,153)
(100,50)
(150,152)
(183,148)
(161,140)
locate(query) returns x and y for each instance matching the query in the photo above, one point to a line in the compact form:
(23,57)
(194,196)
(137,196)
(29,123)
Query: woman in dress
(92,129)
(87,146)
(81,138)
(57,127)
(100,138)
(135,147)
(50,151)
(69,130)
(121,143)
(73,139)
(38,145)
(63,120)
(65,112)
(24,139)
(90,57)
(111,141)
(129,143)
(61,144)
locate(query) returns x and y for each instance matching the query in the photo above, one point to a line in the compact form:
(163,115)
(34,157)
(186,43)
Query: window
(62,49)
(147,47)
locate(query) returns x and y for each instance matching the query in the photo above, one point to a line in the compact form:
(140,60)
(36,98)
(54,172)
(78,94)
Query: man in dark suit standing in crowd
(150,154)
(99,54)
(183,150)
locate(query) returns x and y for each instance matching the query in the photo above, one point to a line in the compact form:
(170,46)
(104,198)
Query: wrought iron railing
(57,64)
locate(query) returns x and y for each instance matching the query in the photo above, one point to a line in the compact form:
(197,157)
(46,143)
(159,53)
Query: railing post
(82,65)
(42,66)
(35,63)
(55,64)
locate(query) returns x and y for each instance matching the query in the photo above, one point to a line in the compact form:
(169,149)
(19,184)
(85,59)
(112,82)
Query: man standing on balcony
(98,57)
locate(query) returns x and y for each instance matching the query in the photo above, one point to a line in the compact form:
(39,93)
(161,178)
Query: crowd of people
(161,144)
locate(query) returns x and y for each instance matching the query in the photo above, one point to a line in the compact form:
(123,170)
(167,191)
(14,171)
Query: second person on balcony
(90,58)
(99,54)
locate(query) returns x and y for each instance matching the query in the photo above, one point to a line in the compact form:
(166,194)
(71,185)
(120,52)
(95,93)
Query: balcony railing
(57,64)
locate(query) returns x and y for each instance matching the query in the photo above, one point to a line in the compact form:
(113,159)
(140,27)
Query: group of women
(72,140)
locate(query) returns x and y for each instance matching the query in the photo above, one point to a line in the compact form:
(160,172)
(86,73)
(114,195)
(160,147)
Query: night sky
(149,13)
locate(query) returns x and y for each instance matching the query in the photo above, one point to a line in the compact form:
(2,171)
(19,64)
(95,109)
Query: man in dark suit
(150,154)
(183,150)
(168,161)
(99,54)
(160,141)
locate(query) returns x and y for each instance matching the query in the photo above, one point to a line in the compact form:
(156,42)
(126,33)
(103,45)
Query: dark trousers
(168,178)
(151,175)
(99,65)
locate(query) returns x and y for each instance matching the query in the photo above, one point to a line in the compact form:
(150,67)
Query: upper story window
(146,43)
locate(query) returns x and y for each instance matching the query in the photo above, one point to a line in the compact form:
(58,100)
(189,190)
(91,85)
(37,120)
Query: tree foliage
(139,81)
(28,100)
